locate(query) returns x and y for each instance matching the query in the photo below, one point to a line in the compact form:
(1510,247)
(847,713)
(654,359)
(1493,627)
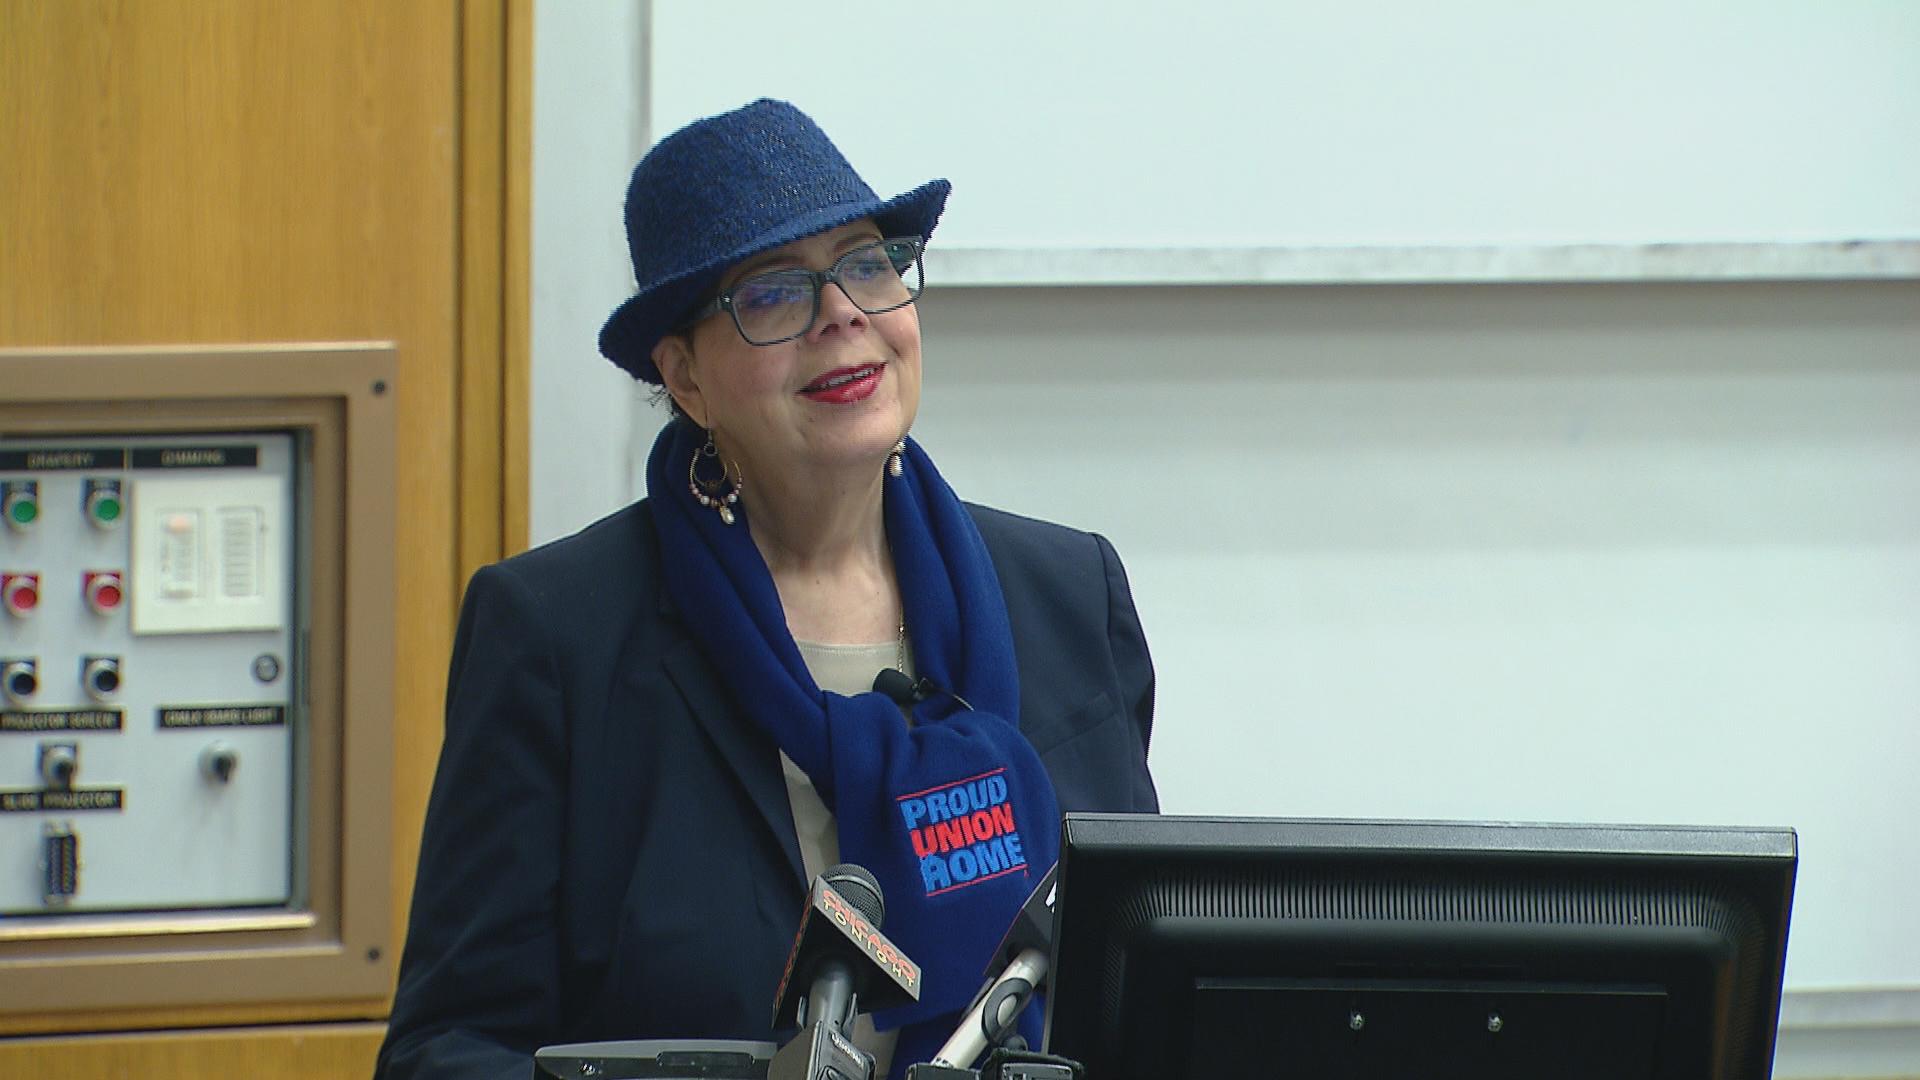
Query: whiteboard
(1223,137)
(1605,553)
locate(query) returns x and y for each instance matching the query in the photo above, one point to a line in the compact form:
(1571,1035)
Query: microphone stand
(822,1050)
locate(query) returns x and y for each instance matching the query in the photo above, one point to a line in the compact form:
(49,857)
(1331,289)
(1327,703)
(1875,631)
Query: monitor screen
(1236,947)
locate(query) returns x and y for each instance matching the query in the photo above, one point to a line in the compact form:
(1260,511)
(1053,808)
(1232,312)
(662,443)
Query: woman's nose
(837,309)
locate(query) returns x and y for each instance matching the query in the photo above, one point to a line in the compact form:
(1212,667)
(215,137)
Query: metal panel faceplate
(149,729)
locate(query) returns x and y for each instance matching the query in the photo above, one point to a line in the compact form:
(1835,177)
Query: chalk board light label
(206,716)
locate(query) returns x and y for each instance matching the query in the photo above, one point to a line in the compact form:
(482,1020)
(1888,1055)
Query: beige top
(849,670)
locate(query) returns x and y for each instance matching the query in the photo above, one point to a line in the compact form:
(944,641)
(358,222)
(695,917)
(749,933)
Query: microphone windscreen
(860,888)
(843,926)
(896,684)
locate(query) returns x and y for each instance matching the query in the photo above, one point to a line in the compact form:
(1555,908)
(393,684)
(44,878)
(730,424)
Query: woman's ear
(674,357)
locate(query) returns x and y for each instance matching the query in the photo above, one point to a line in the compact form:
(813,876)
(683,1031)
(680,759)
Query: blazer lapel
(752,756)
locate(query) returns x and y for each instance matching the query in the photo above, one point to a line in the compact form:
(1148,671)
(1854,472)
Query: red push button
(104,591)
(20,593)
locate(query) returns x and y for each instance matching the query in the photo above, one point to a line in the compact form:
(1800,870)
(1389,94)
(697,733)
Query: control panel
(151,682)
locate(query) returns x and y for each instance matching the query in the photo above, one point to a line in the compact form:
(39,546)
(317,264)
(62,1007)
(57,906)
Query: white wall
(1600,552)
(588,130)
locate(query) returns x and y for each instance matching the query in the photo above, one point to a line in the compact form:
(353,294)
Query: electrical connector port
(60,863)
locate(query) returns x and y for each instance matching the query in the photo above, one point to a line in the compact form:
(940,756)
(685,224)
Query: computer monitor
(1236,947)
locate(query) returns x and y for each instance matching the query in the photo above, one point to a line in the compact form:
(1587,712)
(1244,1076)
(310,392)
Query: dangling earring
(896,463)
(716,495)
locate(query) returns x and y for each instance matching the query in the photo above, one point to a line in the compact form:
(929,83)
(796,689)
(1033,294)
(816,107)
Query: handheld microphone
(907,691)
(1022,960)
(840,964)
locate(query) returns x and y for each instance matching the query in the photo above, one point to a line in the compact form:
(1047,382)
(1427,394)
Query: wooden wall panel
(306,1052)
(494,326)
(229,171)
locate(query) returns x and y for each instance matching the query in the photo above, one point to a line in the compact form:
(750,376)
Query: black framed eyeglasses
(780,305)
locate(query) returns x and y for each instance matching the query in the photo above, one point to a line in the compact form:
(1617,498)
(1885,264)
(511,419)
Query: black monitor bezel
(1105,855)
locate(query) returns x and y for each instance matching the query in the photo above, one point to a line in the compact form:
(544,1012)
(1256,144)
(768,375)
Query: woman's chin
(854,457)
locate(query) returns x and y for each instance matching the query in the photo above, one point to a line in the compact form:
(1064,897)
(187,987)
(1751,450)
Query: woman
(661,728)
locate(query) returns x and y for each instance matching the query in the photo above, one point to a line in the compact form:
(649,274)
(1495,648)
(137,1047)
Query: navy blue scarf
(955,816)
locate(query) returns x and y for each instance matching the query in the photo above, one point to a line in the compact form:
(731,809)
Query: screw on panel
(379,386)
(1355,1020)
(1495,1023)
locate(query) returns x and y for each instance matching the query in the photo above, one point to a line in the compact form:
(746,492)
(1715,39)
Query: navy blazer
(609,850)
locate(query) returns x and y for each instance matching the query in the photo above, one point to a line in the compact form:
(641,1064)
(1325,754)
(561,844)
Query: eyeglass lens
(781,304)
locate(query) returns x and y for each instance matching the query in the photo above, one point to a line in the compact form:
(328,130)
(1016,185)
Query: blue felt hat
(728,187)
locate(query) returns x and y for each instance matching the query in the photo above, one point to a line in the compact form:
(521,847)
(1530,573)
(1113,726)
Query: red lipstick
(845,385)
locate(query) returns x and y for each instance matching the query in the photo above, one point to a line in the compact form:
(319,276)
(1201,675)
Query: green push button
(106,508)
(23,511)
